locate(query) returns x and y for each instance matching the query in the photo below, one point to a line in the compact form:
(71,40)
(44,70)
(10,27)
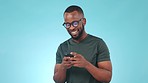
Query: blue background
(31,31)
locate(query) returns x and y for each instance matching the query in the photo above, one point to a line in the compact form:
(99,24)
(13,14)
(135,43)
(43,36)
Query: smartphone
(69,55)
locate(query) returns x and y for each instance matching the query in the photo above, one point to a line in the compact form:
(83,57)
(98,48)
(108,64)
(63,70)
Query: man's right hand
(60,70)
(66,63)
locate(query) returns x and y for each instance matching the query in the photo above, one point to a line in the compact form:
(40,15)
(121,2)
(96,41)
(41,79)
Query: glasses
(74,24)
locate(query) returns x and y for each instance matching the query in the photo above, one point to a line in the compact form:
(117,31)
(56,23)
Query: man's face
(75,32)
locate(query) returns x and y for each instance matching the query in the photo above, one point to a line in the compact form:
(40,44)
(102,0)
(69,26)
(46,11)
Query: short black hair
(74,8)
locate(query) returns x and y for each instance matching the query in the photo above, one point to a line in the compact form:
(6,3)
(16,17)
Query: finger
(66,62)
(67,66)
(74,59)
(75,62)
(78,56)
(75,54)
(66,58)
(76,65)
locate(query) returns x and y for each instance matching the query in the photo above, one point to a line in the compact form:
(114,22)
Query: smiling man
(89,60)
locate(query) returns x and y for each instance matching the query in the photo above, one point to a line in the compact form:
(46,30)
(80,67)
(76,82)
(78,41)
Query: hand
(78,60)
(66,63)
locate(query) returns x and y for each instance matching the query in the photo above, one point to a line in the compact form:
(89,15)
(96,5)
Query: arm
(60,70)
(101,73)
(59,74)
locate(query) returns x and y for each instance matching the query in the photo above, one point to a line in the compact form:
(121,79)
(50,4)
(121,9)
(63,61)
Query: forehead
(72,16)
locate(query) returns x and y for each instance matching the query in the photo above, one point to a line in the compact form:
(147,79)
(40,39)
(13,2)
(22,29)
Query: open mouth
(74,32)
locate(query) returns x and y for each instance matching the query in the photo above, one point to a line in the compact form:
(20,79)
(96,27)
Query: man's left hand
(78,60)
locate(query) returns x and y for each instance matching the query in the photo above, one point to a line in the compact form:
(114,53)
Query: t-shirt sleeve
(58,55)
(103,52)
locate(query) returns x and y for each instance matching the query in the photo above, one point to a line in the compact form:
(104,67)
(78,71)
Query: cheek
(80,27)
(68,30)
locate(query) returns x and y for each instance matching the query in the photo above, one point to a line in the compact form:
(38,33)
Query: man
(89,61)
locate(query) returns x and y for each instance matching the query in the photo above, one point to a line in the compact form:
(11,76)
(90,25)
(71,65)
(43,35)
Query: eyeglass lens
(68,25)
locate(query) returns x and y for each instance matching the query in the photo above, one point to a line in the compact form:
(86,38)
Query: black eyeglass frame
(72,23)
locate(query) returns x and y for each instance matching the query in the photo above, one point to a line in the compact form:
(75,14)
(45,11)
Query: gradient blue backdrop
(31,31)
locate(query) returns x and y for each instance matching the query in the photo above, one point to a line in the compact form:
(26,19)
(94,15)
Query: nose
(71,28)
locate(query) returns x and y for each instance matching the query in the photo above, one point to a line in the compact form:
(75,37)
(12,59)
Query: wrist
(87,65)
(63,67)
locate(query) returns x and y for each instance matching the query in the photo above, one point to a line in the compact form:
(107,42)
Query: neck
(81,38)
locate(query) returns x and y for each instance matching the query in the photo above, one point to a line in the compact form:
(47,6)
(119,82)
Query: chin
(76,37)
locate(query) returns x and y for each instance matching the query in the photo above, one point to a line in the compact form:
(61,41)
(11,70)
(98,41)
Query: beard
(79,34)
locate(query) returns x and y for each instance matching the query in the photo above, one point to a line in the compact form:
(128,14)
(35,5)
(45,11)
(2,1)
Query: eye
(75,23)
(67,25)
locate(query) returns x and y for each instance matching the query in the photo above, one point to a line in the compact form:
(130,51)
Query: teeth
(74,32)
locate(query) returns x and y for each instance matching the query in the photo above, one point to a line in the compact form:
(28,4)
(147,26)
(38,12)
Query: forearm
(99,74)
(60,75)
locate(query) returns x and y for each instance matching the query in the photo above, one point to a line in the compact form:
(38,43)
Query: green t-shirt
(92,48)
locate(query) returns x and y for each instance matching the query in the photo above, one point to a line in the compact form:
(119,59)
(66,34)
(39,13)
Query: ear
(84,21)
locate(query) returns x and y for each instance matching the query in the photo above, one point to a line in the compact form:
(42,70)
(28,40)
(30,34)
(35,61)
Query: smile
(74,32)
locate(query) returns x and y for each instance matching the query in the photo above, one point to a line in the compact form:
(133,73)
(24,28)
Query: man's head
(75,22)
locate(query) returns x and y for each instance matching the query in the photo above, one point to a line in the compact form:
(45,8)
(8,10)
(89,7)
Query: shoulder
(65,43)
(97,41)
(95,38)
